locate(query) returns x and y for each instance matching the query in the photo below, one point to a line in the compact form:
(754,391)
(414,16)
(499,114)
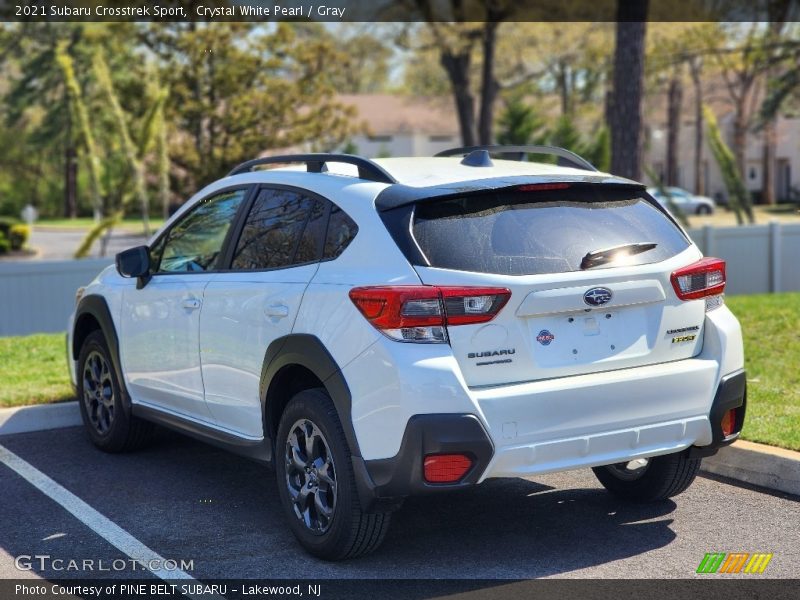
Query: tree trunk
(489,87)
(70,173)
(674,101)
(457,68)
(626,108)
(699,180)
(740,141)
(768,170)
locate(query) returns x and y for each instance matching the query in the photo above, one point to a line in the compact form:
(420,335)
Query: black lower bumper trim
(731,393)
(385,482)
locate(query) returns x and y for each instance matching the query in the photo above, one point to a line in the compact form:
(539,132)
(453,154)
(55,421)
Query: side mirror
(135,262)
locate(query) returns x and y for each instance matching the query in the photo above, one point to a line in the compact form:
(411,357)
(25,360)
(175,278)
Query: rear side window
(282,229)
(341,231)
(528,233)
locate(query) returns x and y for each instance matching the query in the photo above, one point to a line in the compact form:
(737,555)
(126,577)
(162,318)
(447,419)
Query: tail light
(421,313)
(446,468)
(703,279)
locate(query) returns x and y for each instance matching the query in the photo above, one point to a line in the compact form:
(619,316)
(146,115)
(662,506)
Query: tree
(237,90)
(457,42)
(739,198)
(519,124)
(626,103)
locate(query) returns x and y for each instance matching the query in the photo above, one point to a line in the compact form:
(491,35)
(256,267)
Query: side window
(341,231)
(195,242)
(283,228)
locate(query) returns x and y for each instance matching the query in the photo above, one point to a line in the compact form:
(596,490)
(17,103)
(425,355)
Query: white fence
(38,296)
(760,258)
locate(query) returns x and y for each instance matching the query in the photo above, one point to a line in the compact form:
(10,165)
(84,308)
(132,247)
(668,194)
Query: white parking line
(100,524)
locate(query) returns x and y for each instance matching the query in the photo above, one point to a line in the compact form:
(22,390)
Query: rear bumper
(385,482)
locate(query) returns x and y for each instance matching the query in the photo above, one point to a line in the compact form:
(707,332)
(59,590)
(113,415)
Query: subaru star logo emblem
(597,296)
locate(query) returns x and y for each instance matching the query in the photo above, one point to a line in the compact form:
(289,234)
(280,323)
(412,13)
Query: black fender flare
(309,352)
(96,306)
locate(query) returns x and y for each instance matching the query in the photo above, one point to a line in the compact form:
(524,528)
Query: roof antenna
(478,158)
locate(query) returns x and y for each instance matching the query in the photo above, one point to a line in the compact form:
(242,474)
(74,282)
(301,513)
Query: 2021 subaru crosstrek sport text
(380,329)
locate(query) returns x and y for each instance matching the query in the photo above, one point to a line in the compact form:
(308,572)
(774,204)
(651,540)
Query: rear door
(256,301)
(589,270)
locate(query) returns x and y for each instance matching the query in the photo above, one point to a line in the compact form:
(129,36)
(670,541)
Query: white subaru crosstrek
(380,329)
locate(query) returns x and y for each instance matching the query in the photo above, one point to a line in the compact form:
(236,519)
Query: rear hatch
(588,267)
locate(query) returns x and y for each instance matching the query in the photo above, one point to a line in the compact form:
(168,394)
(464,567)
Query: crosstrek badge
(545,337)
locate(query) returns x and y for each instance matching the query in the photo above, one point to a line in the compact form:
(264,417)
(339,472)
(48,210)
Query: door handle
(192,303)
(277,310)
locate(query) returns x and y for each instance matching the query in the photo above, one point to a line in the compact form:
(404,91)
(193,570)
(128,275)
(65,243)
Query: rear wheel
(316,482)
(105,415)
(703,210)
(649,479)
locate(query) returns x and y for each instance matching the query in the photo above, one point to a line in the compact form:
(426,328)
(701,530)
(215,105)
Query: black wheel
(703,210)
(649,479)
(104,411)
(316,482)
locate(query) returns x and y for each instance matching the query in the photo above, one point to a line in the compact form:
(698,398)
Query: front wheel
(649,479)
(316,483)
(105,415)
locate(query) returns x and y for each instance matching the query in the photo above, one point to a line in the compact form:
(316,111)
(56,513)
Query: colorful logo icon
(545,337)
(734,562)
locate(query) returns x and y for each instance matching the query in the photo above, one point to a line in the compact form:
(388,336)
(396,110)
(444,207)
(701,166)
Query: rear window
(528,233)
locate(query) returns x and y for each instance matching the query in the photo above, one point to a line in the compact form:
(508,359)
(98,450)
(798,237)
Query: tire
(703,210)
(662,477)
(348,531)
(104,404)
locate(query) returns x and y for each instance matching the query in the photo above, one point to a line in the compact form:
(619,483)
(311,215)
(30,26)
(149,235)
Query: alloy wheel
(310,476)
(98,392)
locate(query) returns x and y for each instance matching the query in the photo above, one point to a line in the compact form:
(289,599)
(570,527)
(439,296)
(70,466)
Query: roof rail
(565,157)
(315,163)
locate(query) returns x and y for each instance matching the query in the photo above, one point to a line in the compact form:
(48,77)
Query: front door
(160,323)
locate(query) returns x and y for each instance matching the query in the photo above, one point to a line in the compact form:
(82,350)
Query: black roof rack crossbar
(566,158)
(315,163)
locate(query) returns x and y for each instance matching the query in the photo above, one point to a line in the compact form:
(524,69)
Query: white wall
(38,296)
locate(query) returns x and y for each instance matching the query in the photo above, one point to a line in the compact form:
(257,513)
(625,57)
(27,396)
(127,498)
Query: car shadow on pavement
(185,499)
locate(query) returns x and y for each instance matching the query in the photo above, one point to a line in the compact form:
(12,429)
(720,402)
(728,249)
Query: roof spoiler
(565,157)
(316,163)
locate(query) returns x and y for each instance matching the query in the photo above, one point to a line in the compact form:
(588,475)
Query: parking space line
(97,522)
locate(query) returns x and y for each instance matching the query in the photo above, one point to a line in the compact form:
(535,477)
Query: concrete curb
(23,419)
(757,464)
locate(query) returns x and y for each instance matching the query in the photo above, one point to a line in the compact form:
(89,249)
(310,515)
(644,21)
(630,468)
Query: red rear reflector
(446,468)
(704,278)
(541,187)
(728,422)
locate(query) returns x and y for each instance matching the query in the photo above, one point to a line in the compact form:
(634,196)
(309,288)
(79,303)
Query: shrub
(5,245)
(5,225)
(18,236)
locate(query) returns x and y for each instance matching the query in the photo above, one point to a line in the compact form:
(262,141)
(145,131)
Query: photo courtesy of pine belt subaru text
(377,329)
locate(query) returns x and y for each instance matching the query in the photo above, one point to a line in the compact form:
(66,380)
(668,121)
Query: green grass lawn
(771,325)
(33,368)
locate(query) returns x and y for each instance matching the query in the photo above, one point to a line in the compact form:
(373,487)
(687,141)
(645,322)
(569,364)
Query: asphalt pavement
(189,501)
(60,244)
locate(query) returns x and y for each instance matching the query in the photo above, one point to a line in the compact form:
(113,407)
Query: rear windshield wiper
(595,258)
